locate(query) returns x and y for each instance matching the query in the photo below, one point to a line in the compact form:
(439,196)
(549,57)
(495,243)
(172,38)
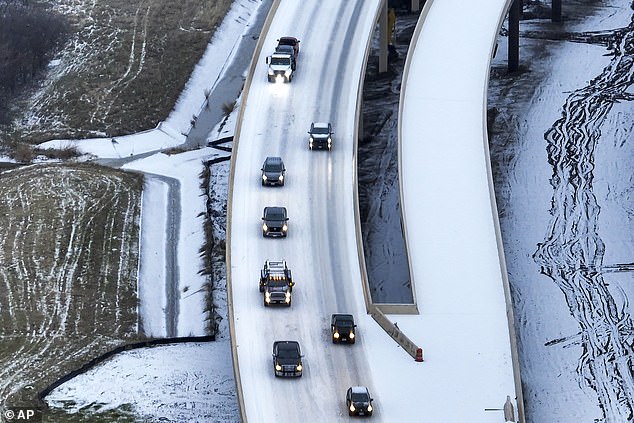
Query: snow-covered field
(177,382)
(562,151)
(68,252)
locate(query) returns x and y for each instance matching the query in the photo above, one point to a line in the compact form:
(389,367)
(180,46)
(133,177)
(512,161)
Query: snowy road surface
(321,246)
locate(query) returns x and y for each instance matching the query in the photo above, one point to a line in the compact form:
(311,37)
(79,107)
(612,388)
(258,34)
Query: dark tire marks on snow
(572,252)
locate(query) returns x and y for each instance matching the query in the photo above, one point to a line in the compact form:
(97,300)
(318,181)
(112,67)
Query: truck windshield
(277,283)
(280,61)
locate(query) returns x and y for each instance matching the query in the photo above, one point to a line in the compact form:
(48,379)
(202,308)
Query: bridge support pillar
(383,38)
(556,11)
(514,36)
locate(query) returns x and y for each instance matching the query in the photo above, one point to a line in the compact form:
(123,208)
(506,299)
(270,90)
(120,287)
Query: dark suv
(275,222)
(287,358)
(320,135)
(289,41)
(273,171)
(342,328)
(358,401)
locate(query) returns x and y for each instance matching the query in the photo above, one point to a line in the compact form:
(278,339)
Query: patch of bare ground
(68,271)
(123,69)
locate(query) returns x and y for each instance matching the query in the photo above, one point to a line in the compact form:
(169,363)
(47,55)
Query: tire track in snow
(572,253)
(62,304)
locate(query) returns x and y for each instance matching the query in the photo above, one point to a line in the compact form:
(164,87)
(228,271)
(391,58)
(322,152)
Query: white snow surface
(172,131)
(178,383)
(451,289)
(321,246)
(450,223)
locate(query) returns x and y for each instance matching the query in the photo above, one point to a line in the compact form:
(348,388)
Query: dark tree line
(28,36)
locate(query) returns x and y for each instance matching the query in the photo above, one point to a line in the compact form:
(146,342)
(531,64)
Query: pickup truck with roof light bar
(276,282)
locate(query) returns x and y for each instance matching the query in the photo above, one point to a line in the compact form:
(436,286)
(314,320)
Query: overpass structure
(468,369)
(449,210)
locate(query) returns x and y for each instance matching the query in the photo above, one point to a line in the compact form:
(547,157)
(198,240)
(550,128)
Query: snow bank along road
(321,246)
(450,216)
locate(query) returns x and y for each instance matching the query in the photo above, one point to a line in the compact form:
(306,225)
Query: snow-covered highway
(321,246)
(450,216)
(463,326)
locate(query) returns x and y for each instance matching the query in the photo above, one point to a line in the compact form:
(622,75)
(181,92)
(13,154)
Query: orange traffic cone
(419,355)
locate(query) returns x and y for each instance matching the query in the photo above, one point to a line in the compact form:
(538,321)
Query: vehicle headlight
(288,295)
(299,367)
(281,177)
(287,72)
(264,177)
(285,227)
(352,407)
(278,367)
(351,335)
(311,139)
(336,335)
(271,72)
(370,407)
(265,227)
(267,295)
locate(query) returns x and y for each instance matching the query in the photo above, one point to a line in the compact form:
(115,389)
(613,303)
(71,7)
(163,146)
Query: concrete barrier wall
(519,394)
(236,139)
(408,60)
(395,333)
(355,183)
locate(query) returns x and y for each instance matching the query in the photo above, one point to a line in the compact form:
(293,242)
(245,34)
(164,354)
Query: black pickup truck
(287,359)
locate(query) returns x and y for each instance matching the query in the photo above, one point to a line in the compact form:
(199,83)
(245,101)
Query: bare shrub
(24,153)
(63,153)
(228,107)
